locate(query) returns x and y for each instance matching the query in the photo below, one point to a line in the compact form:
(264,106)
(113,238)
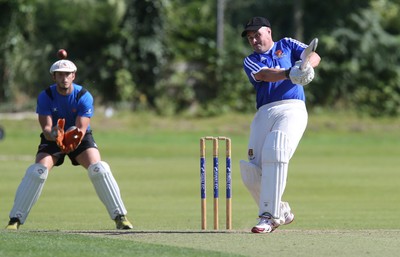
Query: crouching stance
(65,105)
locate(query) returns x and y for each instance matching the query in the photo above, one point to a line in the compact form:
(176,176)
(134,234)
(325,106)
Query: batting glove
(301,77)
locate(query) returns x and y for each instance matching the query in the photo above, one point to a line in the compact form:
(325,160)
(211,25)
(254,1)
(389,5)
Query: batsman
(64,111)
(278,72)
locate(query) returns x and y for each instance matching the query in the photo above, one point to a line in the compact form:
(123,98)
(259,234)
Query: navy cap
(255,24)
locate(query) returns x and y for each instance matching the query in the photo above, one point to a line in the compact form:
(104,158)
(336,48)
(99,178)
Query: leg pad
(107,188)
(29,191)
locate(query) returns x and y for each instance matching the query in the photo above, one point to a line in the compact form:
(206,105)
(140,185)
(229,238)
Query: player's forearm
(47,133)
(45,122)
(82,123)
(271,75)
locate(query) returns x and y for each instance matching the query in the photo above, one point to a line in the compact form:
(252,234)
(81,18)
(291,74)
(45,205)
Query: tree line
(164,55)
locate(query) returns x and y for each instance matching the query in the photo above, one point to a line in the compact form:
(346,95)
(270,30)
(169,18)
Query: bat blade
(305,56)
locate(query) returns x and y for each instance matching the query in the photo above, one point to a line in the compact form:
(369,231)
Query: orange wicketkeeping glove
(58,132)
(72,139)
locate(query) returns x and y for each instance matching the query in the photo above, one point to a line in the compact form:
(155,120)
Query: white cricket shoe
(287,214)
(289,217)
(266,224)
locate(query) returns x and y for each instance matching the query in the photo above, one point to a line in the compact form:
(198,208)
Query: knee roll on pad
(99,168)
(276,147)
(37,171)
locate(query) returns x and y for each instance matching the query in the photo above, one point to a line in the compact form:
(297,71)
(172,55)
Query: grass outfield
(343,187)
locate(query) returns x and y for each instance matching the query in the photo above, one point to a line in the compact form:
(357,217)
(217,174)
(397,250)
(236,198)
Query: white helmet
(63,65)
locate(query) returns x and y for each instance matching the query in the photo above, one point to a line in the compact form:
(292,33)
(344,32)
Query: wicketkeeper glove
(69,140)
(58,133)
(301,77)
(72,138)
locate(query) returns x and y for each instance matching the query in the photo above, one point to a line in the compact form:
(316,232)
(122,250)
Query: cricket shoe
(266,224)
(288,215)
(122,222)
(13,224)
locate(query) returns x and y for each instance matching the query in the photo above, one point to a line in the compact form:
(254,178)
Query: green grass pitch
(343,187)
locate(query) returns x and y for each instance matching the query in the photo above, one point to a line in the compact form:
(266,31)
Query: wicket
(215,141)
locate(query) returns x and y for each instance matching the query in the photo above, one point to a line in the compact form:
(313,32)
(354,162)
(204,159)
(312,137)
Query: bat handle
(304,64)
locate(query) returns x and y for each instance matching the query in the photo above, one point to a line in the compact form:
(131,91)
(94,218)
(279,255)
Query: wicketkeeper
(277,74)
(64,110)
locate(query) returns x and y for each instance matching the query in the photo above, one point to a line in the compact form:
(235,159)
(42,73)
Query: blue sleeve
(43,106)
(296,47)
(252,66)
(86,106)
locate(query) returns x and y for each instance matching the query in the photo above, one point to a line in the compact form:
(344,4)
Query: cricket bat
(305,56)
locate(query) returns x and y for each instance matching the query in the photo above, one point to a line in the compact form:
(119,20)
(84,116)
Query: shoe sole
(263,231)
(11,228)
(125,227)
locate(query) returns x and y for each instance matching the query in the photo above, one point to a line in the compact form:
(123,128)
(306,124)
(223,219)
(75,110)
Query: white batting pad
(275,158)
(29,191)
(106,188)
(251,176)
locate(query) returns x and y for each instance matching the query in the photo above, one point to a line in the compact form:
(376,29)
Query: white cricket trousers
(275,133)
(287,116)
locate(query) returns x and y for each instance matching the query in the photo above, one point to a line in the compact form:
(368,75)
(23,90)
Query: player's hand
(298,63)
(72,138)
(301,77)
(58,133)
